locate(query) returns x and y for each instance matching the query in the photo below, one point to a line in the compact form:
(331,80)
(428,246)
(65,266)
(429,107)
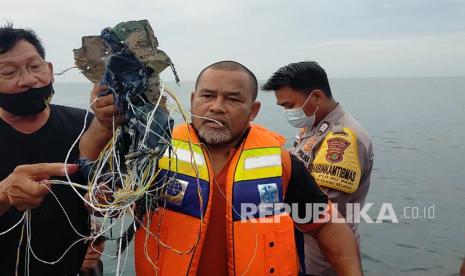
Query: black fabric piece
(51,232)
(303,189)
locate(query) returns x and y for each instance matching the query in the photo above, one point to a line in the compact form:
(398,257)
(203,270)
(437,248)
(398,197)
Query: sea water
(418,131)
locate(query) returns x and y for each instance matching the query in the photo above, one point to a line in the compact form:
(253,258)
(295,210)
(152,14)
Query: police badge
(336,148)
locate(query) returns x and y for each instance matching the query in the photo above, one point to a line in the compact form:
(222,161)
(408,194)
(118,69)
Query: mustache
(211,118)
(217,120)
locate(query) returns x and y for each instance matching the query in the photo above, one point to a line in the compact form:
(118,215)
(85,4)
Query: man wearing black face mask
(35,137)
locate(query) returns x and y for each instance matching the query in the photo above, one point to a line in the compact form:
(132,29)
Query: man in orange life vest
(219,163)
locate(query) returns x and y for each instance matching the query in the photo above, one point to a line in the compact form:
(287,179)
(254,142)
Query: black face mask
(27,103)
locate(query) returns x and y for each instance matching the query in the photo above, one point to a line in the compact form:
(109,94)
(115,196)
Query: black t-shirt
(303,189)
(51,233)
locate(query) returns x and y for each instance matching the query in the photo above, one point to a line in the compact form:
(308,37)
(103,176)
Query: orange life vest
(256,246)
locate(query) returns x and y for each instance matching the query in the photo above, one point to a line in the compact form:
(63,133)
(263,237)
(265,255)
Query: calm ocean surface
(418,131)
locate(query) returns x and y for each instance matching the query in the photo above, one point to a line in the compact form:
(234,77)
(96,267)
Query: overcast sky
(349,38)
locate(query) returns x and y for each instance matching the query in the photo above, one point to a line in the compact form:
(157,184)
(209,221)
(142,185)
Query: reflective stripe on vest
(186,159)
(258,181)
(183,176)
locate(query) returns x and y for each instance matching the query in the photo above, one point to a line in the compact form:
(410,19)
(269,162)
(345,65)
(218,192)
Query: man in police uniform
(333,145)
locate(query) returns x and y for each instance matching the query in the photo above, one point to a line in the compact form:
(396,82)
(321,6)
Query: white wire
(60,182)
(28,232)
(139,174)
(120,244)
(14,226)
(73,145)
(231,205)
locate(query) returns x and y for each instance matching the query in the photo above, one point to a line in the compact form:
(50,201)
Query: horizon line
(336,78)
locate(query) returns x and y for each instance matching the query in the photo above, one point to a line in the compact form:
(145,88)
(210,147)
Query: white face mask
(297,118)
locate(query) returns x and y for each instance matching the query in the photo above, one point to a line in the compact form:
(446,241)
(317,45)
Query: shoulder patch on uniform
(336,164)
(323,128)
(336,148)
